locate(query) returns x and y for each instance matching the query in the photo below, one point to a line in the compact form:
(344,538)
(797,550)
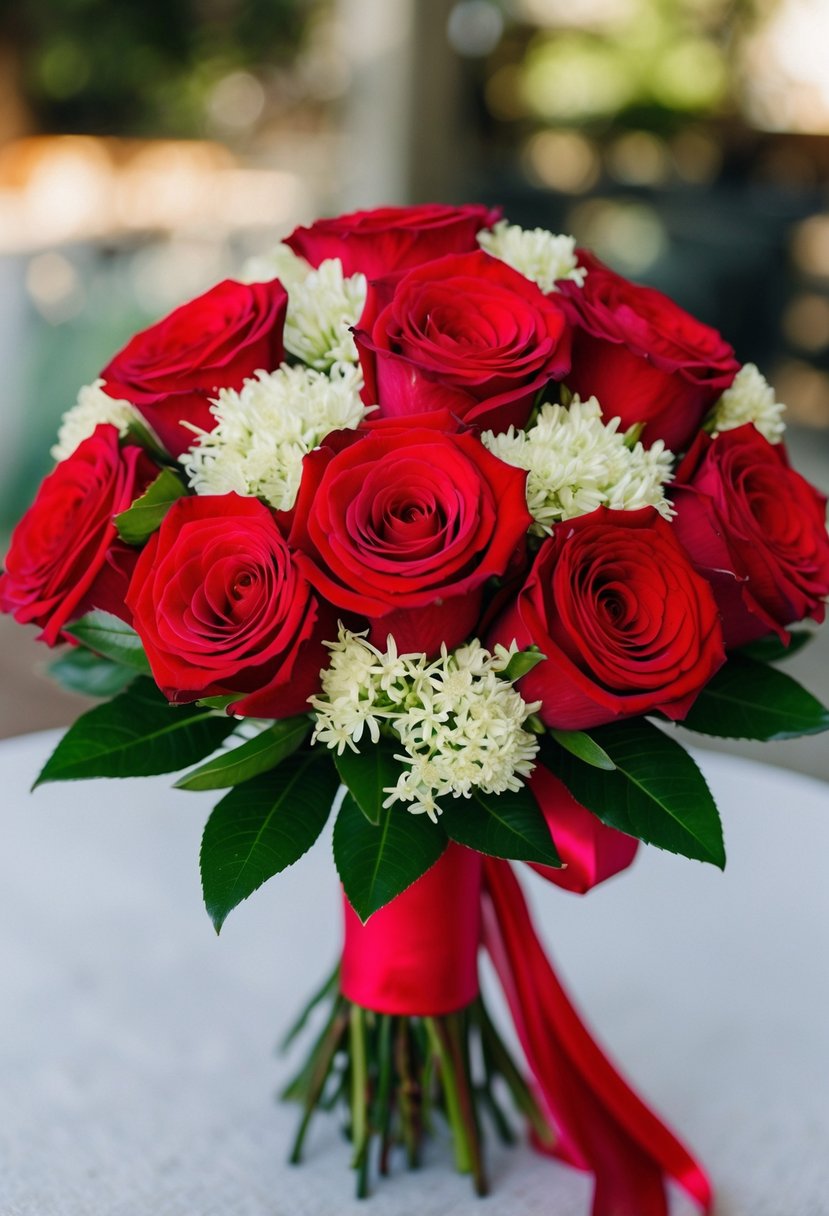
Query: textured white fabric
(136,1050)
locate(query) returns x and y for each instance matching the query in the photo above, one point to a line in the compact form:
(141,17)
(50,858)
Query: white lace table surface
(137,1065)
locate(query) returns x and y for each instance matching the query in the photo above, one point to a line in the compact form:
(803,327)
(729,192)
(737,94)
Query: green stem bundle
(391,1074)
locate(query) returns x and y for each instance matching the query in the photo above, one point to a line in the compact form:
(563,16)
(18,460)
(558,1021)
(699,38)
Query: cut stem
(360,1124)
(319,1072)
(384,1100)
(439,1039)
(408,1095)
(458,1038)
(503,1063)
(390,1071)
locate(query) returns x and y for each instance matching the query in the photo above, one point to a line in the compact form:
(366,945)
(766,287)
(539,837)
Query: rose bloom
(222,608)
(644,358)
(65,556)
(756,529)
(466,333)
(390,239)
(405,526)
(170,371)
(627,625)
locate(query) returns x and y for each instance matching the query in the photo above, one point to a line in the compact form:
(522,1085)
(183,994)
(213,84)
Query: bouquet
(435,526)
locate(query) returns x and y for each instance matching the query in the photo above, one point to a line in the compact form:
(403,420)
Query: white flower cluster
(92,408)
(323,305)
(577,461)
(321,311)
(265,428)
(749,399)
(539,255)
(460,721)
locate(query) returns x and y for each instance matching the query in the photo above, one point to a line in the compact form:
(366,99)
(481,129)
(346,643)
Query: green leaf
(501,825)
(655,793)
(221,702)
(111,637)
(522,662)
(146,513)
(771,650)
(258,755)
(633,434)
(367,774)
(80,670)
(750,700)
(584,747)
(136,734)
(262,827)
(139,432)
(378,861)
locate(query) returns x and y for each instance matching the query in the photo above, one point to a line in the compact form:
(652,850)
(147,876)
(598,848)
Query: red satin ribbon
(603,1126)
(418,956)
(590,850)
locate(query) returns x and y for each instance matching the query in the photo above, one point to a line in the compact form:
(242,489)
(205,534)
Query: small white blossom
(544,257)
(278,263)
(577,461)
(749,399)
(264,430)
(321,311)
(323,305)
(461,724)
(93,407)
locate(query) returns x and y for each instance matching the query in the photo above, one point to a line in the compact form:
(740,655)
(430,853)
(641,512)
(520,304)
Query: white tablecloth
(136,1050)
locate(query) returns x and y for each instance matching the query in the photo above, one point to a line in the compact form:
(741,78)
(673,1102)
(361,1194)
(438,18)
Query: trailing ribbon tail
(602,1125)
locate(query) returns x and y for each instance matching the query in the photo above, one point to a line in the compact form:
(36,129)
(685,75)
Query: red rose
(466,333)
(756,529)
(626,623)
(642,356)
(170,371)
(390,239)
(405,526)
(65,554)
(222,608)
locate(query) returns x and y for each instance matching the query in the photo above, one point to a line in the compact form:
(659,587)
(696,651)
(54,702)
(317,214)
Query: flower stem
(359,1085)
(322,1062)
(391,1071)
(383,1103)
(503,1063)
(458,1037)
(297,1087)
(409,1095)
(439,1039)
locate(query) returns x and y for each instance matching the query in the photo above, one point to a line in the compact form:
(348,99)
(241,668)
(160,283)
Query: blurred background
(147,148)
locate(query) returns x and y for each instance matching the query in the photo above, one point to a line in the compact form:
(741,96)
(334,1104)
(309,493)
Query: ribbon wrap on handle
(418,956)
